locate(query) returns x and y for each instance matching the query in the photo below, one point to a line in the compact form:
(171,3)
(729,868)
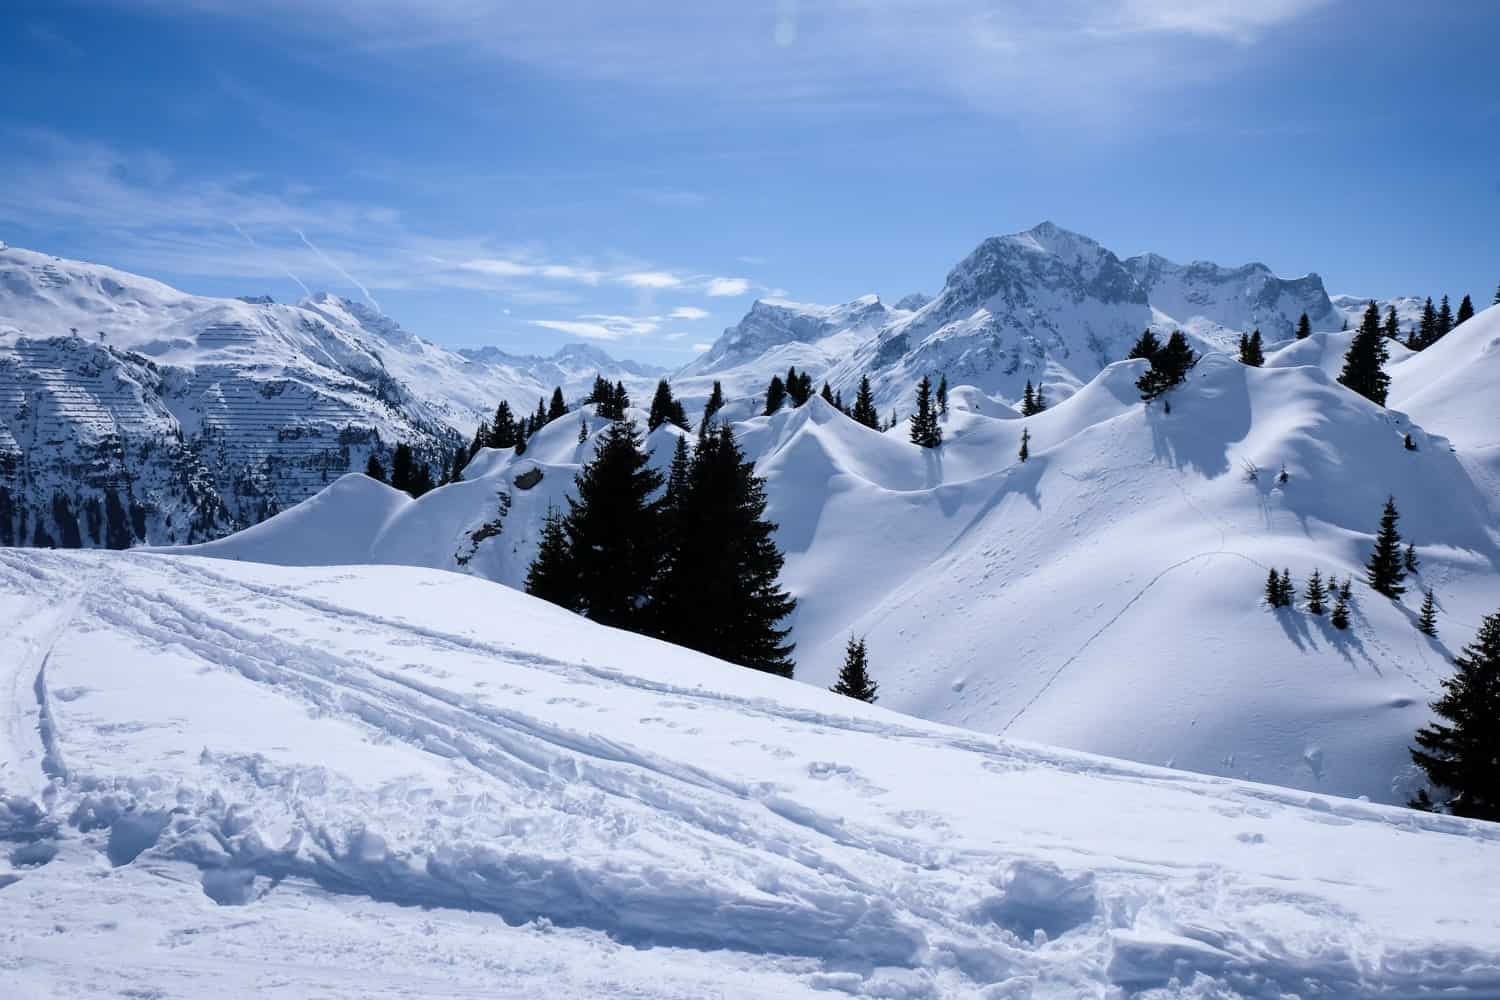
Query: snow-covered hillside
(393,782)
(130,411)
(1046,305)
(1104,595)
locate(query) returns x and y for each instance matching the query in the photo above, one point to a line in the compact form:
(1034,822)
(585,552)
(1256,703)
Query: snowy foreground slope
(1105,595)
(255,780)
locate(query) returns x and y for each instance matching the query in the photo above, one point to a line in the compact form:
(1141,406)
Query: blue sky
(637,173)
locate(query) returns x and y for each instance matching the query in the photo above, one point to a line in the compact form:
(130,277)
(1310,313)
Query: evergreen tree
(552,575)
(401,468)
(558,407)
(583,429)
(1346,589)
(453,472)
(481,438)
(1363,363)
(924,423)
(854,676)
(619,402)
(1409,558)
(798,386)
(1427,619)
(1025,452)
(838,401)
(1465,312)
(719,592)
(601,394)
(827,395)
(712,407)
(1315,593)
(421,479)
(1385,569)
(1444,320)
(1273,589)
(1339,619)
(1288,592)
(374,469)
(864,405)
(775,395)
(1426,328)
(1169,366)
(1251,352)
(942,394)
(1462,754)
(612,529)
(1391,330)
(1146,346)
(520,435)
(502,428)
(538,419)
(1496,300)
(1028,400)
(1304,327)
(665,409)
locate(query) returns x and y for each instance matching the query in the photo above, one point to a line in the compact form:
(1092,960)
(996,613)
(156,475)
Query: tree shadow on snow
(1205,420)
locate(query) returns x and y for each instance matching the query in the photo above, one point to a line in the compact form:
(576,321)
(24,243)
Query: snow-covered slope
(394,782)
(1046,305)
(1104,595)
(130,411)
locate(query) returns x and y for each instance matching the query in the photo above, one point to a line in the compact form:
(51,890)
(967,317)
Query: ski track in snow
(523,797)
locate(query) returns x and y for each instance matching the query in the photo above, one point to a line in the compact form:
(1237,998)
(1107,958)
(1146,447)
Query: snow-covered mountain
(131,411)
(391,782)
(1104,595)
(1045,305)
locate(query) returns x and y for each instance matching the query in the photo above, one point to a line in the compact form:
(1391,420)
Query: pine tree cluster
(409,474)
(1170,363)
(610,401)
(696,565)
(1251,351)
(665,409)
(1032,400)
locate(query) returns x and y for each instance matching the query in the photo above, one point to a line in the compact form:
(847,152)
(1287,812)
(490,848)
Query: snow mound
(338,782)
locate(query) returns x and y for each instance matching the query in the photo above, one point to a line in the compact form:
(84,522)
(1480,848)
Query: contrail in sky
(284,269)
(347,276)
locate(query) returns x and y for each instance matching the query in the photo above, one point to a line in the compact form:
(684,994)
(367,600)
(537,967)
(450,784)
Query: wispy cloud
(726,287)
(688,312)
(146,214)
(595,326)
(1004,57)
(650,279)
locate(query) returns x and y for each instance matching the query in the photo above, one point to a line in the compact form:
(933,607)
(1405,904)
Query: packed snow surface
(260,781)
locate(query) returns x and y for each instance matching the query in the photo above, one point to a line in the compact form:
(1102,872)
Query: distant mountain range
(134,412)
(1047,305)
(131,411)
